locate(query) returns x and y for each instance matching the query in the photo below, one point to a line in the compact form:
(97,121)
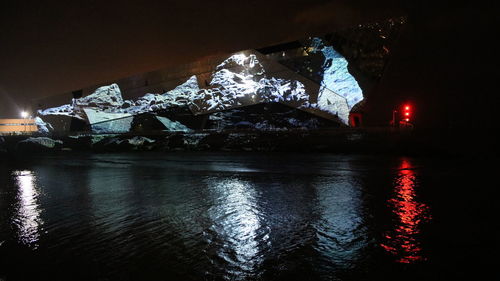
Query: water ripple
(221,218)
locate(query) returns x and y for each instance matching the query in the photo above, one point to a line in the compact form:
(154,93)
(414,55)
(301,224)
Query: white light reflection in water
(403,241)
(341,230)
(27,217)
(236,223)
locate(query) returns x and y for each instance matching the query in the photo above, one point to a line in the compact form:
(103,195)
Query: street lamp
(24,115)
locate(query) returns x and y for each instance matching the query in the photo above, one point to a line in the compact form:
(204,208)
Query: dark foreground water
(221,216)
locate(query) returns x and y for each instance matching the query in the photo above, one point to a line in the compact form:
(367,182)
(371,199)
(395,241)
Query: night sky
(442,62)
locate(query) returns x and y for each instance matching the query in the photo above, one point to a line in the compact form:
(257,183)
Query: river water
(232,216)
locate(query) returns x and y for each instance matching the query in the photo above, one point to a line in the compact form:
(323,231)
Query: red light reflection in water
(402,241)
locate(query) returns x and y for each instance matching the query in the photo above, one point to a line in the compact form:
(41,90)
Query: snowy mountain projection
(244,78)
(336,77)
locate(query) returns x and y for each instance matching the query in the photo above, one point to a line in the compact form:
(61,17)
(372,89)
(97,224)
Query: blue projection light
(336,77)
(242,79)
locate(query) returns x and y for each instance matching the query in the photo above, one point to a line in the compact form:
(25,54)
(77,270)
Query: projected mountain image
(242,79)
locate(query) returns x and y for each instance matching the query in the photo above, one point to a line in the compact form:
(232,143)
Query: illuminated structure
(18,126)
(243,79)
(309,76)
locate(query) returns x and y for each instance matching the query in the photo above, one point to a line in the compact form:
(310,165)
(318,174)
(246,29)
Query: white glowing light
(24,114)
(28,211)
(237,222)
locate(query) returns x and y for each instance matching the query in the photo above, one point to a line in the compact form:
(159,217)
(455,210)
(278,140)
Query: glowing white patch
(28,211)
(336,76)
(237,222)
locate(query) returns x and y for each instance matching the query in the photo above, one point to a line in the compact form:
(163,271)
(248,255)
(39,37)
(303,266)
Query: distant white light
(24,114)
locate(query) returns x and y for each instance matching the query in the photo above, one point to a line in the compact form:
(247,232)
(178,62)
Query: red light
(403,240)
(402,115)
(406,113)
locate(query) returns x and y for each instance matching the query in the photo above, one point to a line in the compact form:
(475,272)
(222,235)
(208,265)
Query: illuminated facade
(17,126)
(309,76)
(242,79)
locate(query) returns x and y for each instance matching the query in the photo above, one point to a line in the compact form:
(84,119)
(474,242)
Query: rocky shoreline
(333,141)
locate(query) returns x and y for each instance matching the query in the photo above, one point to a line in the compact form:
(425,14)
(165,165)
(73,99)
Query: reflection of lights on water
(27,217)
(403,241)
(341,230)
(237,223)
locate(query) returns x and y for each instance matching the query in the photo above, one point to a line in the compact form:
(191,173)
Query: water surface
(227,216)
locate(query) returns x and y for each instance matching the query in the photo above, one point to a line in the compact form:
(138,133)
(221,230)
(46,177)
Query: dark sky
(49,49)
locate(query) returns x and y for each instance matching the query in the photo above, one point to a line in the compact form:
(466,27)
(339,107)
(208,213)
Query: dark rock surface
(38,144)
(3,148)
